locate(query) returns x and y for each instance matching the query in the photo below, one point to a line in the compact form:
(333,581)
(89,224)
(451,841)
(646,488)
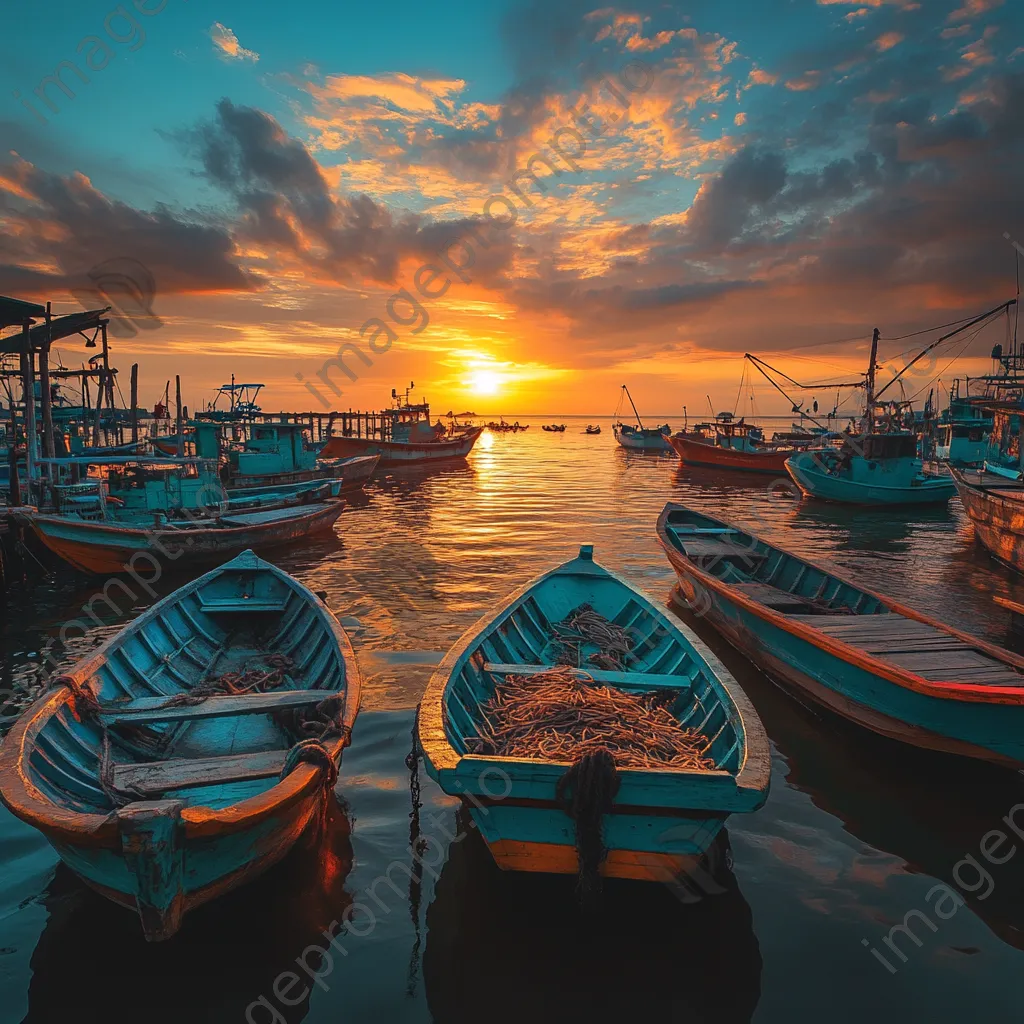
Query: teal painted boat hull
(661,820)
(861,655)
(202,797)
(881,487)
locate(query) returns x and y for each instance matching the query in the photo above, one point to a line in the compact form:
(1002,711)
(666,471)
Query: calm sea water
(856,834)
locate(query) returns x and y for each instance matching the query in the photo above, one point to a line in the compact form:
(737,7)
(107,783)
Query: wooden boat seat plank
(145,710)
(243,604)
(699,548)
(643,680)
(157,777)
(771,597)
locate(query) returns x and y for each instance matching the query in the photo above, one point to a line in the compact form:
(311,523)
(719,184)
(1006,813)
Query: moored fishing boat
(402,453)
(661,818)
(731,448)
(996,510)
(639,437)
(866,657)
(592,428)
(109,548)
(870,469)
(189,752)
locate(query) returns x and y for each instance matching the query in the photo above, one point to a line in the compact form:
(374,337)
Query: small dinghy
(189,752)
(656,747)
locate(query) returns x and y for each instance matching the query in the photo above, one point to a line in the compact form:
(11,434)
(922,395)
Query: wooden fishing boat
(748,459)
(401,453)
(639,437)
(872,469)
(554,428)
(661,819)
(156,784)
(643,439)
(107,548)
(996,510)
(870,659)
(168,443)
(592,428)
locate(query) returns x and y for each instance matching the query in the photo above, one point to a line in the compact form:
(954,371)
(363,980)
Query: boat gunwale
(23,798)
(974,693)
(306,514)
(752,776)
(931,481)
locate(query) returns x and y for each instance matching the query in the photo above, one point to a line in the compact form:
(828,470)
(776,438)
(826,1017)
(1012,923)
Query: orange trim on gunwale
(553,858)
(27,802)
(946,690)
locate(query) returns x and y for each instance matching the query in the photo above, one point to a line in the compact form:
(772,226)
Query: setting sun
(484,382)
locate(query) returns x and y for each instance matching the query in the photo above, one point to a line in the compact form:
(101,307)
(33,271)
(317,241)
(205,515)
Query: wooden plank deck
(916,646)
(721,550)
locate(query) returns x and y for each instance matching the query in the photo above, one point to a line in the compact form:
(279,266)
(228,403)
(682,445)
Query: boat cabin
(271,448)
(882,447)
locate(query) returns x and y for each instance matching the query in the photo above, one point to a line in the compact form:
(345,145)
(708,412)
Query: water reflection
(514,947)
(928,809)
(92,964)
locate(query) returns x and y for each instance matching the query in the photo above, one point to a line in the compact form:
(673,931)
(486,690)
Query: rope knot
(311,751)
(83,702)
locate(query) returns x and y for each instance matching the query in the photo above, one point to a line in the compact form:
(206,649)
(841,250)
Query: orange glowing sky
(776,182)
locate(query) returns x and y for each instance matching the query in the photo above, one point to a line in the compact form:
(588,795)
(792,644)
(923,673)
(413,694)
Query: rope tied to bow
(311,751)
(593,781)
(83,702)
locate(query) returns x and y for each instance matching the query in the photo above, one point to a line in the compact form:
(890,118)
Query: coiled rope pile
(561,714)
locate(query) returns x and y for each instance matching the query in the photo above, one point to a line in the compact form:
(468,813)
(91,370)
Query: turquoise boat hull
(862,655)
(662,821)
(163,800)
(867,482)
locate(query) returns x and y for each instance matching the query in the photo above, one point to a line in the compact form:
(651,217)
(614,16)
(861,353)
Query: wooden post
(44,393)
(12,461)
(28,386)
(100,389)
(181,425)
(135,403)
(86,396)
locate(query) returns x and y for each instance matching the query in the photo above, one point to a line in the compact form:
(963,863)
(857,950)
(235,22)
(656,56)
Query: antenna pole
(631,402)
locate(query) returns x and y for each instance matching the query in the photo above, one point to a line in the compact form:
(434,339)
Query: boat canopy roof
(17,311)
(885,446)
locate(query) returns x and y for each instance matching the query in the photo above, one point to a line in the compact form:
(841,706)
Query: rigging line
(927,330)
(982,319)
(938,377)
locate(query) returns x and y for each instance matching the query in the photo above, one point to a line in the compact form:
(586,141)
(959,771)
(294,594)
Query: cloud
(285,203)
(973,9)
(887,40)
(55,228)
(228,47)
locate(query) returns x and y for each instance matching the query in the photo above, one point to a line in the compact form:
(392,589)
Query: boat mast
(632,403)
(870,382)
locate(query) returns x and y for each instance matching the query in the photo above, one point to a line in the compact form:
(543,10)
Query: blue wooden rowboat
(872,660)
(661,821)
(162,799)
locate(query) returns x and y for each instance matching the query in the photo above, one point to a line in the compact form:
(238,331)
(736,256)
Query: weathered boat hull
(107,549)
(703,453)
(954,716)
(662,821)
(997,515)
(217,804)
(397,453)
(816,482)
